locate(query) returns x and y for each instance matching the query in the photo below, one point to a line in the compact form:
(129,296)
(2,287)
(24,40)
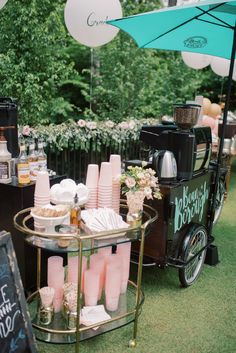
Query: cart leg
(132,342)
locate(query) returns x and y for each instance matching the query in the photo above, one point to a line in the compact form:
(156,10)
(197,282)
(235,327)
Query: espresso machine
(191,146)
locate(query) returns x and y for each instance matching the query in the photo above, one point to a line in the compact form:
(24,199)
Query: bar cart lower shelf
(57,331)
(130,303)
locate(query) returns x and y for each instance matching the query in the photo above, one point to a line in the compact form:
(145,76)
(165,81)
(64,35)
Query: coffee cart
(181,156)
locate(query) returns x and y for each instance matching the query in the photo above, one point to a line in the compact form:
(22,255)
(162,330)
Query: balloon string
(91,78)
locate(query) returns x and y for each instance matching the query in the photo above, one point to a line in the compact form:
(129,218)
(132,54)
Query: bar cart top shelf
(62,243)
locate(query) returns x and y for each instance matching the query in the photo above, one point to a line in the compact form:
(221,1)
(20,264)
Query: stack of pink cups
(92,185)
(56,273)
(41,193)
(105,185)
(115,161)
(113,278)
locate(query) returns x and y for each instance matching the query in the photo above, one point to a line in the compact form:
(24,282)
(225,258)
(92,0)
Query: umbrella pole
(228,92)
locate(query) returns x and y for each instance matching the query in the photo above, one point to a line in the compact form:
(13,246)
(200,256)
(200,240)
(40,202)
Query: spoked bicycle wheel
(194,241)
(219,201)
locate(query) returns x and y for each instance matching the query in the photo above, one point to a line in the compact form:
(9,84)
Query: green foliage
(33,59)
(131,82)
(54,78)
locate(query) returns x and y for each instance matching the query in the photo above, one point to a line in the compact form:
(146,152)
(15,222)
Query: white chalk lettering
(189,205)
(7,321)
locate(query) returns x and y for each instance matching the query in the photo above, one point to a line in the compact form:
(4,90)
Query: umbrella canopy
(207,27)
(204,27)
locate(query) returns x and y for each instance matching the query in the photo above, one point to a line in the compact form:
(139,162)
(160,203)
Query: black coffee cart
(182,238)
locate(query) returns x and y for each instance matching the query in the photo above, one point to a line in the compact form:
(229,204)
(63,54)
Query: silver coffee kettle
(164,164)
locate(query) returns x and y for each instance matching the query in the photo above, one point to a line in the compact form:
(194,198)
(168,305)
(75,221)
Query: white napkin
(90,315)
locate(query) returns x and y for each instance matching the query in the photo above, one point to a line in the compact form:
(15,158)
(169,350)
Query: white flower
(81,123)
(91,125)
(148,193)
(130,182)
(132,124)
(109,124)
(26,130)
(140,175)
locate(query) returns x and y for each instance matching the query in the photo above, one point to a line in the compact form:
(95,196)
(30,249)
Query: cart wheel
(195,240)
(219,201)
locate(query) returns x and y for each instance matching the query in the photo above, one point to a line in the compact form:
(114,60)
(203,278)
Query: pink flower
(26,130)
(124,125)
(109,124)
(81,123)
(91,125)
(130,182)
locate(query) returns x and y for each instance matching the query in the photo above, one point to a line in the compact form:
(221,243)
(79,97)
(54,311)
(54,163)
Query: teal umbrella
(206,27)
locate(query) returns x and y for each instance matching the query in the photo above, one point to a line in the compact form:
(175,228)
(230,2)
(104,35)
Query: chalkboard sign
(16,334)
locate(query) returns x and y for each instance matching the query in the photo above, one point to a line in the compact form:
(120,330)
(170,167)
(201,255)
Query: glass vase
(135,201)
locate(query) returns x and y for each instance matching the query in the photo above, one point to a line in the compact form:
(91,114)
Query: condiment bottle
(75,213)
(42,157)
(23,171)
(33,161)
(5,160)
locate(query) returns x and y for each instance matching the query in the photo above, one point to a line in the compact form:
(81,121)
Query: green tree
(34,63)
(128,81)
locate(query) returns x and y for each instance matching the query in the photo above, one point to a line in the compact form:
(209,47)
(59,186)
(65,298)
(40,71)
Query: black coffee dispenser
(8,117)
(191,148)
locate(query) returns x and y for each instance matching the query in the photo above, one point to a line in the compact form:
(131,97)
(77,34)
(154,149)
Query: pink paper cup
(42,185)
(115,160)
(112,285)
(92,176)
(105,178)
(91,287)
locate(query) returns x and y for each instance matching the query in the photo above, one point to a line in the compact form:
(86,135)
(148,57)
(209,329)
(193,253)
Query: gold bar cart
(130,302)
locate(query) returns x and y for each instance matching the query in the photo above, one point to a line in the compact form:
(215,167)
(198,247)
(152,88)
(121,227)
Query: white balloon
(220,66)
(234,72)
(85,20)
(2,3)
(196,60)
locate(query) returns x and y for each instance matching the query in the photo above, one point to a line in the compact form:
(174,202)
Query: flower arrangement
(87,134)
(139,179)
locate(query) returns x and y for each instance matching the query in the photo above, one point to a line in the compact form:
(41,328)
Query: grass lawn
(200,319)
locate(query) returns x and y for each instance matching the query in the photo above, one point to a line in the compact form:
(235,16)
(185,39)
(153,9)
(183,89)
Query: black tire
(220,196)
(194,241)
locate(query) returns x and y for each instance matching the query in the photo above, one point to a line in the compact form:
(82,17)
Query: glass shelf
(24,222)
(124,315)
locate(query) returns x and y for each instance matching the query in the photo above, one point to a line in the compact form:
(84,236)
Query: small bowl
(49,222)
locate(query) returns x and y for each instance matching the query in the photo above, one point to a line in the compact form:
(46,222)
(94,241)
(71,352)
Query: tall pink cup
(91,287)
(97,263)
(115,160)
(55,264)
(105,252)
(112,285)
(92,175)
(73,267)
(42,185)
(56,277)
(105,178)
(124,251)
